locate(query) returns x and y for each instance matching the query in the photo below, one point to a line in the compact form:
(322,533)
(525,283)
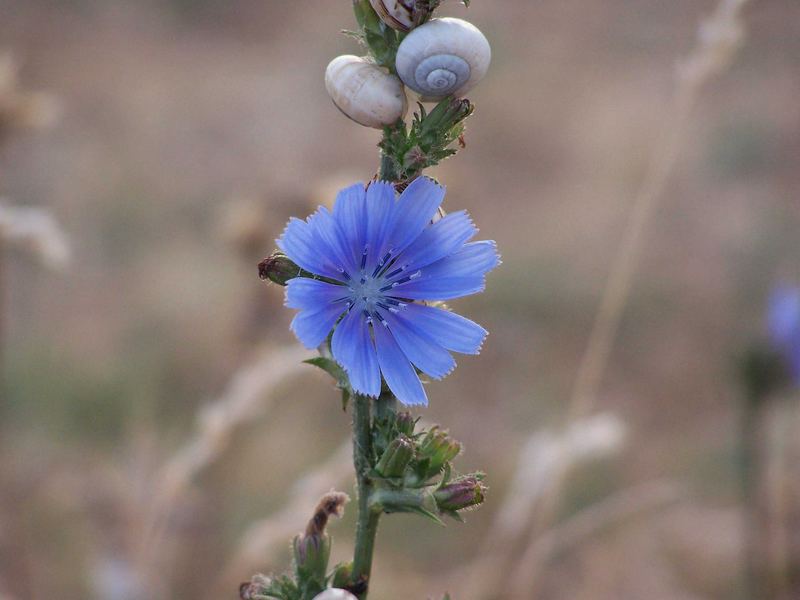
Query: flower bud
(277,268)
(439,449)
(395,459)
(405,423)
(311,554)
(463,492)
(342,575)
(312,548)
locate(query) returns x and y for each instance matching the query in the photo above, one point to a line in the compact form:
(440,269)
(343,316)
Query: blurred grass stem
(755,547)
(718,39)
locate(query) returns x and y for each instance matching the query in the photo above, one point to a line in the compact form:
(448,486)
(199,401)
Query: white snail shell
(365,92)
(444,57)
(397,14)
(334,594)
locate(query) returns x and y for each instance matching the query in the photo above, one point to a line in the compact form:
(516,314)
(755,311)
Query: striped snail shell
(365,92)
(443,57)
(397,14)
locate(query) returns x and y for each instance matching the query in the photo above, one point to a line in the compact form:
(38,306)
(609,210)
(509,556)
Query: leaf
(425,513)
(332,368)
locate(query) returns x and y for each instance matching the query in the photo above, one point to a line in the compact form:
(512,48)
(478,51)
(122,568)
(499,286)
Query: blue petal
(353,349)
(439,240)
(339,248)
(428,356)
(350,211)
(476,258)
(400,376)
(380,206)
(440,288)
(783,315)
(312,326)
(449,330)
(310,294)
(414,211)
(301,245)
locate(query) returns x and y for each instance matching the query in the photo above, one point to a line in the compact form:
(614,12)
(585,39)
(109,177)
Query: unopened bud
(342,575)
(395,459)
(439,449)
(461,493)
(312,548)
(405,423)
(311,554)
(277,268)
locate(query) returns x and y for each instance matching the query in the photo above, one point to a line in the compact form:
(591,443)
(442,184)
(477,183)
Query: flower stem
(367,525)
(387,171)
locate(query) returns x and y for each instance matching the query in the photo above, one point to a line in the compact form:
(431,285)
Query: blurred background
(154,424)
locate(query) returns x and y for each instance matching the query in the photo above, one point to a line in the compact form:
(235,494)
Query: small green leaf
(428,515)
(330,366)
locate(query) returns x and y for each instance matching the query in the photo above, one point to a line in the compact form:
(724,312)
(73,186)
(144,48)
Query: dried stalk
(542,458)
(271,533)
(617,509)
(247,396)
(719,38)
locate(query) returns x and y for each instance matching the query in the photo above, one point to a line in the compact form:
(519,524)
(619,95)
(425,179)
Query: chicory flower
(376,258)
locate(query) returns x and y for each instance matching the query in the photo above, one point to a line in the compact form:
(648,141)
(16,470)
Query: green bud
(395,459)
(312,548)
(311,555)
(458,494)
(439,449)
(342,575)
(277,268)
(405,423)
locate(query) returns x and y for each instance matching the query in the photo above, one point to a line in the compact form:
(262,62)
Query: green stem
(387,171)
(367,525)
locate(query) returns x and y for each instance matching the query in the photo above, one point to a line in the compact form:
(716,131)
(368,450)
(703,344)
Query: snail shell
(443,57)
(334,594)
(365,92)
(397,14)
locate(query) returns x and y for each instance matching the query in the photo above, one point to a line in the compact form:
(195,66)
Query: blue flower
(382,257)
(783,320)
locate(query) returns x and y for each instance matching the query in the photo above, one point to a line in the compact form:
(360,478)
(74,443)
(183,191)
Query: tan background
(184,123)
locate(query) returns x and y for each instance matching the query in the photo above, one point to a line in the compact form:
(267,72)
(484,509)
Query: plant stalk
(367,524)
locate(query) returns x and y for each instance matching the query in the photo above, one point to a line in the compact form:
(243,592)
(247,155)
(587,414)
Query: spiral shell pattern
(444,57)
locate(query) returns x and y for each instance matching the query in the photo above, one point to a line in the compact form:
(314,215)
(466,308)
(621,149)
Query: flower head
(783,320)
(380,257)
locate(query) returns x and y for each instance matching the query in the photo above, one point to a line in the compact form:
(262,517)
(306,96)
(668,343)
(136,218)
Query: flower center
(367,289)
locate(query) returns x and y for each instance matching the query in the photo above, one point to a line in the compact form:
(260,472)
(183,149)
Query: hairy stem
(367,525)
(387,171)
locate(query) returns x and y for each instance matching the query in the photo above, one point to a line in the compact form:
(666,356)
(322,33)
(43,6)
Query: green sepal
(419,510)
(396,458)
(427,142)
(342,575)
(281,587)
(311,555)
